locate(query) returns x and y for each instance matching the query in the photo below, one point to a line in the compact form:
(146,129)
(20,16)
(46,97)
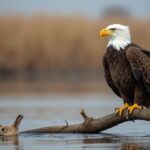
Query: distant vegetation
(57,45)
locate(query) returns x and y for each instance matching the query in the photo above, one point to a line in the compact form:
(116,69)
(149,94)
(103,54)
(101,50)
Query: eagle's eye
(113,29)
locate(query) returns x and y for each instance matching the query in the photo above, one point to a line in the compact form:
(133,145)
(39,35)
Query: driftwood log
(91,125)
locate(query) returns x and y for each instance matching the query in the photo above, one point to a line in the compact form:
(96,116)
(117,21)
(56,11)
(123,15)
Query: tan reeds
(58,44)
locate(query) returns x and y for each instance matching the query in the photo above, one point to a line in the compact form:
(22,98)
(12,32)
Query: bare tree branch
(91,125)
(83,114)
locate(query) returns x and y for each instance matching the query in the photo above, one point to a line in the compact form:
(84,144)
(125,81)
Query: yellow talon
(133,107)
(121,109)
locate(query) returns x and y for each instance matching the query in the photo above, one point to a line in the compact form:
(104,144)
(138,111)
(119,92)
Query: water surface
(47,110)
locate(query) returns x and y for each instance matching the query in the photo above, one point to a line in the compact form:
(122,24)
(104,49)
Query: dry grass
(57,44)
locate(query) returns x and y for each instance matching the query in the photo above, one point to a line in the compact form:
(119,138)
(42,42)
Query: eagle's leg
(120,110)
(127,103)
(138,99)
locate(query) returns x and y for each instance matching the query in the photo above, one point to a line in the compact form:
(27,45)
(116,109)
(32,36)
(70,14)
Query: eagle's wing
(139,60)
(108,77)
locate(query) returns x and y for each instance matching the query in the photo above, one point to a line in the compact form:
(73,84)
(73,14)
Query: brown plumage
(127,72)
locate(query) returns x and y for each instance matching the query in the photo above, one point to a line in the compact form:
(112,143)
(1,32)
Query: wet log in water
(91,125)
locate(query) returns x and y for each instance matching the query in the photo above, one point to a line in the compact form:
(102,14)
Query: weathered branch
(83,114)
(91,125)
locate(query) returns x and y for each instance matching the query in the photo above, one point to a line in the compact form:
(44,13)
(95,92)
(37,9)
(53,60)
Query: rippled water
(40,111)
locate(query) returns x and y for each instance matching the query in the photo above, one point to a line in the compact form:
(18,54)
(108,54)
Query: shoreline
(49,86)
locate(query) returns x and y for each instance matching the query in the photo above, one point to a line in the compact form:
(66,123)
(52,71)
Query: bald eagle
(126,68)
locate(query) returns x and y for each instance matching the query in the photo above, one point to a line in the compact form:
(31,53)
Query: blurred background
(53,46)
(51,67)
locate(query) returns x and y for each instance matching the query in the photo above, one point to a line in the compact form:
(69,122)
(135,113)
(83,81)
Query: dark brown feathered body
(127,72)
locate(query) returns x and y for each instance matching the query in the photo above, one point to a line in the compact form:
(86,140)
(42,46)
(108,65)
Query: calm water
(40,111)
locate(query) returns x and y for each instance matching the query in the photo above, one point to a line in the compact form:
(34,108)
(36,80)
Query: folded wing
(139,60)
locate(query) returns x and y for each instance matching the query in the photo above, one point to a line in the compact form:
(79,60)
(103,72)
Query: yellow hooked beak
(105,32)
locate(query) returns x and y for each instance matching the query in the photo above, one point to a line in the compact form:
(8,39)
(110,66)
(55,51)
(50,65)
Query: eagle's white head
(119,35)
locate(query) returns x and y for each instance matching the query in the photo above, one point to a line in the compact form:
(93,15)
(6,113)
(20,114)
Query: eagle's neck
(119,42)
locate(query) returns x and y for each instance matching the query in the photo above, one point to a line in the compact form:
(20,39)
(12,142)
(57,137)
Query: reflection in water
(10,140)
(108,139)
(130,146)
(73,142)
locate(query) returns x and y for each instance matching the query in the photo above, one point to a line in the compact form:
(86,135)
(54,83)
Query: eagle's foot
(133,107)
(120,110)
